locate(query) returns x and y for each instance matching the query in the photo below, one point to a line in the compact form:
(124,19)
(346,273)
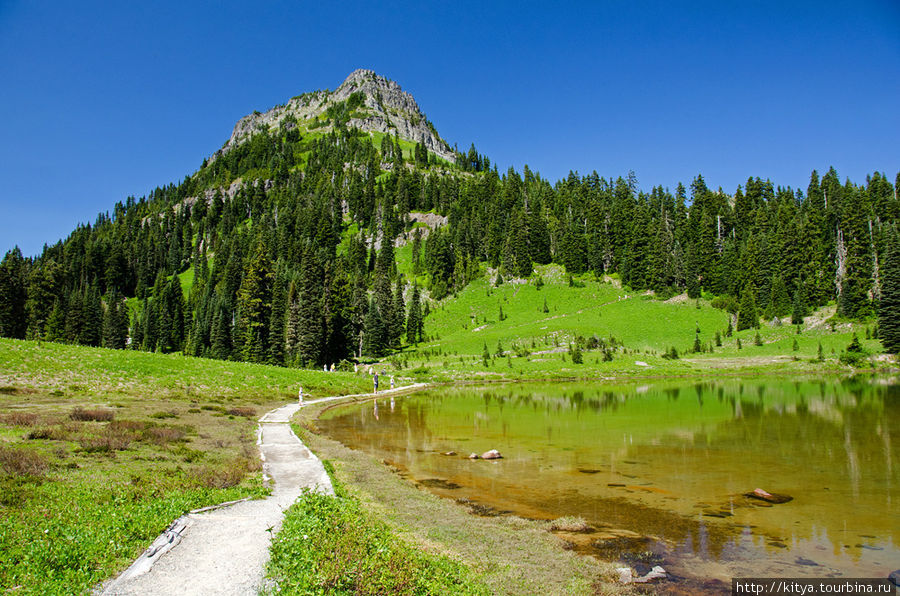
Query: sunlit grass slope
(101,449)
(528,329)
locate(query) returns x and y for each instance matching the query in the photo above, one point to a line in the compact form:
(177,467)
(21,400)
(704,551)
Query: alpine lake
(661,472)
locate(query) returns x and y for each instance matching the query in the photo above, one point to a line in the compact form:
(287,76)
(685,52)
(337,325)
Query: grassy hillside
(101,449)
(529,342)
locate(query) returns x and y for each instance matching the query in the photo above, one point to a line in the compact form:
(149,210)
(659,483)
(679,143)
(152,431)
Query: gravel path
(223,550)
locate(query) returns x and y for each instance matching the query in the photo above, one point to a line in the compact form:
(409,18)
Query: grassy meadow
(529,329)
(101,449)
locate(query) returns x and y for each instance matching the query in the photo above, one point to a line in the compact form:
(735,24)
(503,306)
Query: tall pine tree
(255,306)
(748,316)
(889,307)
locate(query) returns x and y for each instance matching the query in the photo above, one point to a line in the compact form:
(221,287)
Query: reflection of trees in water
(838,445)
(818,430)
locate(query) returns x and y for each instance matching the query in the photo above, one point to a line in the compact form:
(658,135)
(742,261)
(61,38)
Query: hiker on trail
(300,396)
(324,368)
(375,381)
(392,381)
(332,367)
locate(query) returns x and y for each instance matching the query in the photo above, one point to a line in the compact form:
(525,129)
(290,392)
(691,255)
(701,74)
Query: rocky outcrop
(386,108)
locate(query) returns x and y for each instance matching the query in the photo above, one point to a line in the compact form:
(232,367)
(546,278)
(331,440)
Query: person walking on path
(300,396)
(375,381)
(392,381)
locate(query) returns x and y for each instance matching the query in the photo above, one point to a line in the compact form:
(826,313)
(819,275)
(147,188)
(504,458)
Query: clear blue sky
(100,101)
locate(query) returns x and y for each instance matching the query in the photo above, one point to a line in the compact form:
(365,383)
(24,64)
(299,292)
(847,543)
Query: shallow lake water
(661,470)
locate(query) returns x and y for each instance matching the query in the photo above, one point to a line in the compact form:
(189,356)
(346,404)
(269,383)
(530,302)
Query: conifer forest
(290,241)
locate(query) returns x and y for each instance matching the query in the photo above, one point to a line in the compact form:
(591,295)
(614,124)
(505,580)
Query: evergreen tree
(574,250)
(276,337)
(115,322)
(45,284)
(75,318)
(889,306)
(91,329)
(255,306)
(417,252)
(12,295)
(398,323)
(56,323)
(779,302)
(310,344)
(414,318)
(799,308)
(577,357)
(221,333)
(747,315)
(292,326)
(171,312)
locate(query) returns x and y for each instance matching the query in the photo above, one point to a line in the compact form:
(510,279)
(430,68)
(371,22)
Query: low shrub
(161,435)
(244,411)
(129,425)
(20,419)
(164,415)
(103,444)
(60,432)
(98,415)
(20,461)
(228,474)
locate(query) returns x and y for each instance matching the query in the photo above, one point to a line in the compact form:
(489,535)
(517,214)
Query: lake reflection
(664,467)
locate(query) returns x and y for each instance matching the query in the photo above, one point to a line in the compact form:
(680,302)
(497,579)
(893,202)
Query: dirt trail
(224,549)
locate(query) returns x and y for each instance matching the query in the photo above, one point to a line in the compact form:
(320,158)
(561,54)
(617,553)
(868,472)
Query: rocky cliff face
(386,108)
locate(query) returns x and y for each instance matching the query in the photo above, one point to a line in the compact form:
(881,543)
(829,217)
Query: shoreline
(695,584)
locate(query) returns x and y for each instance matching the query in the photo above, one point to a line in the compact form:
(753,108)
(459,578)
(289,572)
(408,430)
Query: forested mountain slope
(282,247)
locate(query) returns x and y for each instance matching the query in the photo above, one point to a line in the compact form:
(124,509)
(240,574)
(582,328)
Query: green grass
(156,435)
(101,449)
(186,278)
(535,343)
(71,371)
(330,545)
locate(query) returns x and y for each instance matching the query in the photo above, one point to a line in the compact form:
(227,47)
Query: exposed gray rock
(386,109)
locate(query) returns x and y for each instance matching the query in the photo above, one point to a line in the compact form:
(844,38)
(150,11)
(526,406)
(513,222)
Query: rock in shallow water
(492,454)
(895,578)
(768,497)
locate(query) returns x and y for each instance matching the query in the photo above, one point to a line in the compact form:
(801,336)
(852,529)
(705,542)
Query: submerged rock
(439,483)
(492,454)
(768,497)
(474,456)
(451,453)
(626,576)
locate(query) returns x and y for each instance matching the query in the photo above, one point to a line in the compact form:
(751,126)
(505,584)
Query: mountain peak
(360,74)
(385,108)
